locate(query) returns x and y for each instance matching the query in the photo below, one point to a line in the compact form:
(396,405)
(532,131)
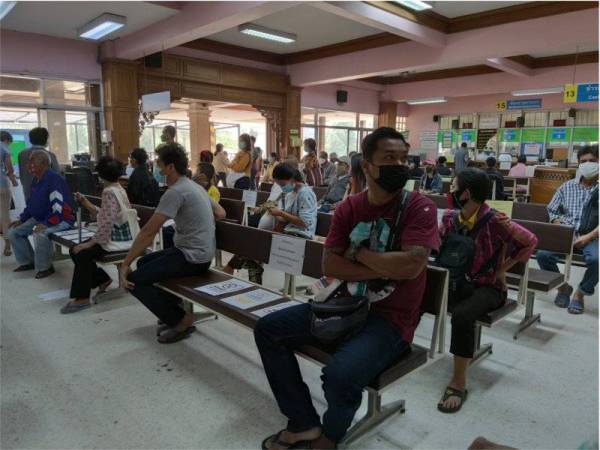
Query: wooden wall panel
(201,71)
(149,84)
(200,91)
(546,181)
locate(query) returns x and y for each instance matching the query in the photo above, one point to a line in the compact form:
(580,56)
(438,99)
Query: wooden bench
(235,210)
(255,244)
(266,187)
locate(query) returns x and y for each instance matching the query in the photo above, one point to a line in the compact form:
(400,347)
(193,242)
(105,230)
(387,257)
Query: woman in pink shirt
(519,169)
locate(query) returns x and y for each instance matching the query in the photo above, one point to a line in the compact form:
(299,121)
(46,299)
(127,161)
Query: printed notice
(269,309)
(440,216)
(249,198)
(224,287)
(287,254)
(251,299)
(502,206)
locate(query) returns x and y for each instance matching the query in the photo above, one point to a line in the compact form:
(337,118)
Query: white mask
(589,170)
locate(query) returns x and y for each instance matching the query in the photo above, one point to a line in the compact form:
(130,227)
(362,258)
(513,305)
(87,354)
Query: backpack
(589,214)
(457,254)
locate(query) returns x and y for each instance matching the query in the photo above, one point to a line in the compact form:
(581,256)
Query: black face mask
(392,178)
(454,200)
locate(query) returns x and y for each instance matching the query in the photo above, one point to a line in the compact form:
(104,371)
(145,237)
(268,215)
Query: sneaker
(44,273)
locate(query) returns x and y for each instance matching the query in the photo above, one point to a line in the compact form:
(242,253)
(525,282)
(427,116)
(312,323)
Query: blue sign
(510,135)
(533,103)
(587,92)
(559,135)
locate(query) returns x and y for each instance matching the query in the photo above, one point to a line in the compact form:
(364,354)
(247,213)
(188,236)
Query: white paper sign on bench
(251,299)
(224,287)
(249,198)
(269,309)
(287,254)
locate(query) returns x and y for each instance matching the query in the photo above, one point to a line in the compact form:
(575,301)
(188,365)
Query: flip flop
(171,336)
(71,308)
(268,442)
(563,299)
(451,392)
(575,307)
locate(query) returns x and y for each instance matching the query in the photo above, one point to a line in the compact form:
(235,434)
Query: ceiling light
(416,5)
(425,101)
(266,33)
(542,91)
(102,26)
(5,8)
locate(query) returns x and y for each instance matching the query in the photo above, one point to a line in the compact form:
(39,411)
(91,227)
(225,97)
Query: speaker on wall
(342,96)
(455,124)
(520,122)
(572,112)
(153,61)
(436,118)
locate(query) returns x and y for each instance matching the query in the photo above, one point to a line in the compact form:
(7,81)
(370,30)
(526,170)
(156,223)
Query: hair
(323,155)
(246,138)
(109,168)
(311,144)
(285,171)
(275,156)
(5,136)
(253,139)
(206,156)
(370,142)
(219,148)
(207,169)
(522,159)
(442,160)
(174,154)
(38,136)
(352,153)
(491,162)
(463,145)
(588,150)
(432,169)
(356,171)
(170,130)
(291,160)
(471,163)
(40,156)
(139,155)
(476,181)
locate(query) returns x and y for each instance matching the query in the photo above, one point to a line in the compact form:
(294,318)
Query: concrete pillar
(56,121)
(200,132)
(321,140)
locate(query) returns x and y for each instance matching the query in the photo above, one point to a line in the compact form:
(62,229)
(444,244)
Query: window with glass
(401,123)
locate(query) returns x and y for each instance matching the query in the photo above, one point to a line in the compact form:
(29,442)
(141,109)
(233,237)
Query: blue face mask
(287,188)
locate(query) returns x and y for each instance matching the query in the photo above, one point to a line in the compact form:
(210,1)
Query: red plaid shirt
(499,233)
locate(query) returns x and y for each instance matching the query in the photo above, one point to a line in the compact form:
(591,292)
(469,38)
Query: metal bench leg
(530,318)
(219,259)
(480,351)
(375,415)
(199,317)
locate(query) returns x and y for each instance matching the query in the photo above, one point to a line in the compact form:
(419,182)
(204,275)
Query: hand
(80,247)
(39,228)
(275,212)
(123,274)
(14,182)
(582,241)
(556,221)
(14,224)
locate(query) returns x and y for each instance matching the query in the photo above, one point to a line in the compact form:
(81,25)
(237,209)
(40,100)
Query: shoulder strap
(119,198)
(395,230)
(481,222)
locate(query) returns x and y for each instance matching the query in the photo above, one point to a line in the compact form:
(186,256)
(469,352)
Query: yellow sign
(502,206)
(501,105)
(570,94)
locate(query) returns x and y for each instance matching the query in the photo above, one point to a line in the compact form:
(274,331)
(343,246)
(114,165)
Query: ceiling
(314,28)
(62,19)
(219,113)
(579,49)
(452,9)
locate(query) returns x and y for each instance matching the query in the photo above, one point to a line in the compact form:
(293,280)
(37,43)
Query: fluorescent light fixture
(416,5)
(266,33)
(102,26)
(426,101)
(5,8)
(541,91)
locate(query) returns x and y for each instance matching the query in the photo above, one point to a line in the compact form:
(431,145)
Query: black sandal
(171,336)
(268,442)
(451,392)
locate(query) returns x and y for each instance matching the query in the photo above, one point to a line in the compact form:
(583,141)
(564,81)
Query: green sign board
(585,134)
(534,135)
(510,135)
(559,135)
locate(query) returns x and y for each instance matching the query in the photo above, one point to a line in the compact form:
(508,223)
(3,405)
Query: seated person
(205,177)
(567,207)
(414,170)
(142,188)
(519,170)
(110,236)
(495,175)
(337,189)
(392,319)
(327,169)
(206,156)
(49,209)
(431,181)
(499,244)
(194,245)
(442,168)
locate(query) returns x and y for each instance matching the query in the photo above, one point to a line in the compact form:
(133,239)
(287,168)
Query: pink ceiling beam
(195,20)
(554,34)
(509,66)
(385,21)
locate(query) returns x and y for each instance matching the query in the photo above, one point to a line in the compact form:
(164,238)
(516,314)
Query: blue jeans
(44,250)
(353,365)
(548,261)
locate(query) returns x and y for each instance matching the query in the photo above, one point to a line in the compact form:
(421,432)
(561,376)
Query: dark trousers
(222,176)
(160,266)
(354,364)
(465,313)
(87,275)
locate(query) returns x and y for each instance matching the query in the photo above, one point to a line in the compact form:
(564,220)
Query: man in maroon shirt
(394,281)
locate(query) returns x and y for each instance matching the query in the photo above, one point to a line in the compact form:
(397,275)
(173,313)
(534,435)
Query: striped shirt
(568,201)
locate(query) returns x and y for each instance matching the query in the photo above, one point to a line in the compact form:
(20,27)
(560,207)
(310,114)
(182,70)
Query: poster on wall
(445,138)
(489,122)
(468,136)
(428,140)
(559,136)
(532,145)
(510,135)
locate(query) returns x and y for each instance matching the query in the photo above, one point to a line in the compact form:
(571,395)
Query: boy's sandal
(575,307)
(451,392)
(275,439)
(171,336)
